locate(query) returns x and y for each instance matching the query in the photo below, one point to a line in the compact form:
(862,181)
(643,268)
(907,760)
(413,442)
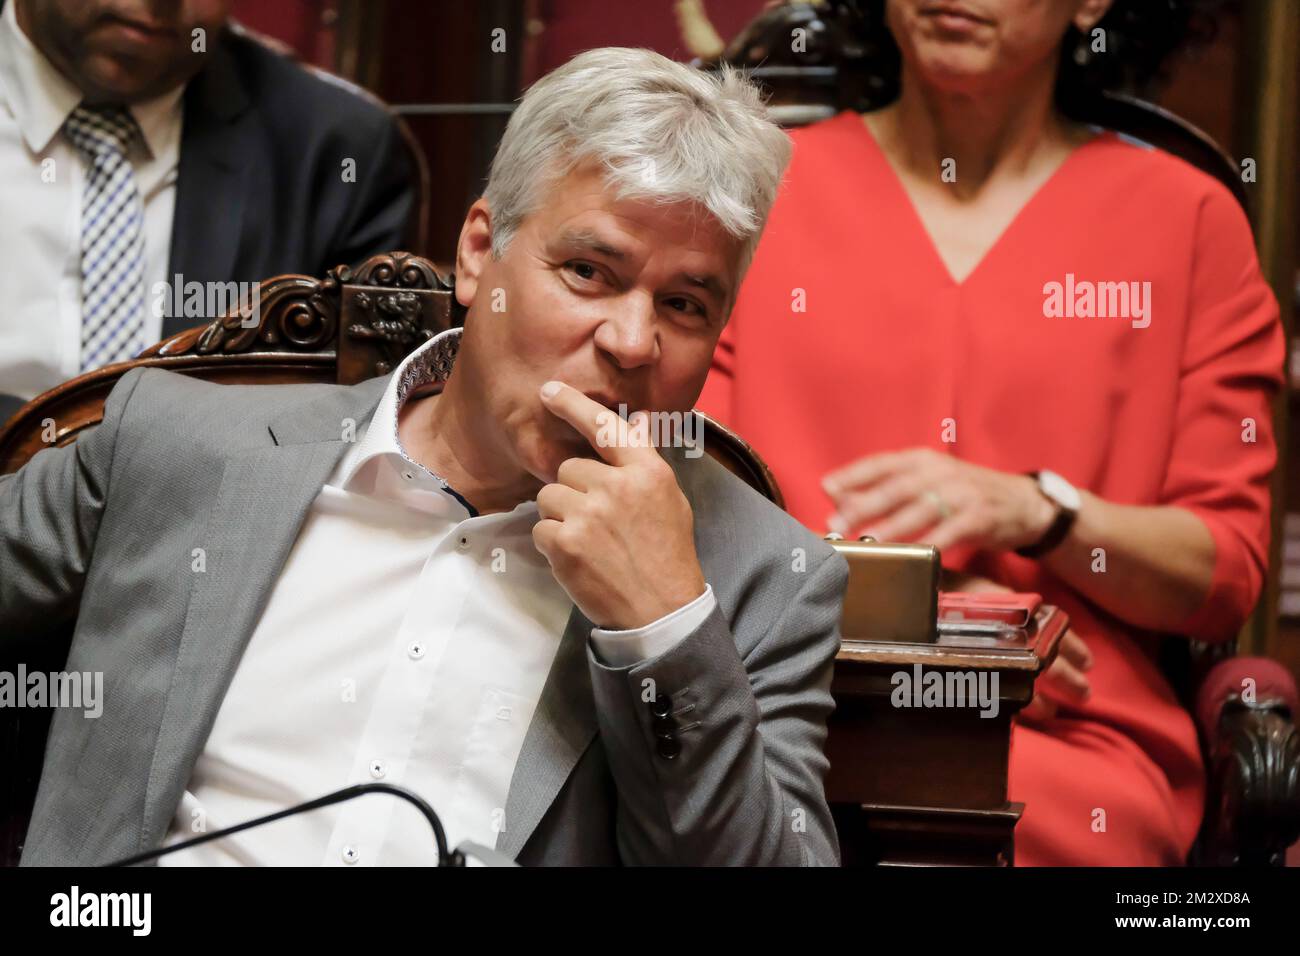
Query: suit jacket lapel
(263,499)
(565,721)
(210,188)
(562,728)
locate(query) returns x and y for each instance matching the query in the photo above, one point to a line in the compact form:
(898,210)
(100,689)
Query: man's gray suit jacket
(105,531)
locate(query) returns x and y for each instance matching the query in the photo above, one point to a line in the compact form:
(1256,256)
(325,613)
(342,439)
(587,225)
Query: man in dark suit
(145,145)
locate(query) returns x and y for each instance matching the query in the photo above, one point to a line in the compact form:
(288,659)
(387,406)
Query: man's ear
(473,251)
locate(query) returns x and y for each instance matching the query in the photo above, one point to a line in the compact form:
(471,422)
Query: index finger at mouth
(603,428)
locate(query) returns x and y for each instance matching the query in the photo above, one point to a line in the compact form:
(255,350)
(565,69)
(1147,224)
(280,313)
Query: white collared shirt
(41,182)
(407,640)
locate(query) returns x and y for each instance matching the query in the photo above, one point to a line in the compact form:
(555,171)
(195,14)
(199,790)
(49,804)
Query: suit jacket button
(668,747)
(663,726)
(661,706)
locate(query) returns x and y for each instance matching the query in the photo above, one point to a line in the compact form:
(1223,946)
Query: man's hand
(618,533)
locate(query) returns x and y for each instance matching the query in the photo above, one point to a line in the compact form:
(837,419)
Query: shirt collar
(156,116)
(424,370)
(41,97)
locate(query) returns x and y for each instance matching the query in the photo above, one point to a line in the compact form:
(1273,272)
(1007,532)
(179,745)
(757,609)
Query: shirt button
(463,544)
(408,475)
(378,769)
(416,650)
(350,854)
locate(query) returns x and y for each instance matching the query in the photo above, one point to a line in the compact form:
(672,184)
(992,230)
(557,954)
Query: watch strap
(1056,532)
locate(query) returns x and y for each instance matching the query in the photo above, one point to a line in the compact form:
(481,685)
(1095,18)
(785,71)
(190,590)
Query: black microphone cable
(446,857)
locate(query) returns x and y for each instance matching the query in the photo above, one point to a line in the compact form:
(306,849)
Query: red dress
(850,337)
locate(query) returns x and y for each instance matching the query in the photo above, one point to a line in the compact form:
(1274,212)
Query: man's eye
(583,270)
(685,306)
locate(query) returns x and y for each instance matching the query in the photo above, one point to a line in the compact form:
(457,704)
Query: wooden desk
(921,779)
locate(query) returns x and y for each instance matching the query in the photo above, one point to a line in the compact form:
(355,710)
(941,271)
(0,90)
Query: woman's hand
(1151,566)
(919,494)
(1066,675)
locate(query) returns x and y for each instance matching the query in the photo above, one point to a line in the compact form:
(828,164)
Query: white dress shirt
(40,230)
(407,639)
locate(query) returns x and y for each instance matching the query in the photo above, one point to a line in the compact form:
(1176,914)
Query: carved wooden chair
(1251,747)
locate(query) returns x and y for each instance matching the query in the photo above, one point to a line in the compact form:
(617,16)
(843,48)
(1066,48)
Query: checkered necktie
(112,237)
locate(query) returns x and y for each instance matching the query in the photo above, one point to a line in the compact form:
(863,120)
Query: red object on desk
(1007,607)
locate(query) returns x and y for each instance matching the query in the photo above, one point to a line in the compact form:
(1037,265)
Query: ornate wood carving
(368,318)
(1254,776)
(391,310)
(821,74)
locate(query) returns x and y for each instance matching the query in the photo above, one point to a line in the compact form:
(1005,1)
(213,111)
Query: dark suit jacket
(261,188)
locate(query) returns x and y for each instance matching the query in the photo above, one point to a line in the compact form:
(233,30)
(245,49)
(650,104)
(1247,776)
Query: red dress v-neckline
(913,215)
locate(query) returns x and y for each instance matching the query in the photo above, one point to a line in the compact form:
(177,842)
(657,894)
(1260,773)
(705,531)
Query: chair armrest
(1246,709)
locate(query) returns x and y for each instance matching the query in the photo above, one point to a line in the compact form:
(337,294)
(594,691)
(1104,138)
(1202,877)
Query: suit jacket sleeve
(50,511)
(745,786)
(383,214)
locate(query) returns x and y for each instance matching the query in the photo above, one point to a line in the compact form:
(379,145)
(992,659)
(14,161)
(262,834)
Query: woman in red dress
(966,287)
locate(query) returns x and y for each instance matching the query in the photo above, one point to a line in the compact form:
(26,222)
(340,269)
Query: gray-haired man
(580,648)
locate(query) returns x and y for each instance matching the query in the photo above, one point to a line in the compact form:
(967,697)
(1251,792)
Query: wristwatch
(1067,501)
